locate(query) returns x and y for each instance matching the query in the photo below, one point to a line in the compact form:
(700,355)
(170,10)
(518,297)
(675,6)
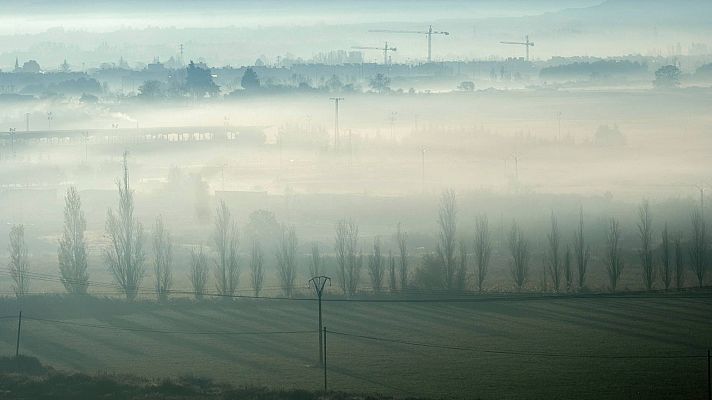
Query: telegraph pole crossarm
(319,282)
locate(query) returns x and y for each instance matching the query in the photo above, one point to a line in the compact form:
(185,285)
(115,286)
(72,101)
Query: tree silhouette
(250,81)
(72,252)
(199,81)
(667,76)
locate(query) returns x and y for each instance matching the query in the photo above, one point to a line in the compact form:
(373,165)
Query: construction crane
(430,32)
(385,49)
(525,43)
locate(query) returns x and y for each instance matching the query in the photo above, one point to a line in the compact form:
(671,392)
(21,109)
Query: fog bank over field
(327,200)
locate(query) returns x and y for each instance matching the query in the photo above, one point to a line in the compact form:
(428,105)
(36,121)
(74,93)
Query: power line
(515,353)
(463,297)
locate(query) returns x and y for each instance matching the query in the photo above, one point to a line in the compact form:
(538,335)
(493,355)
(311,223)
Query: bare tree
(553,253)
(645,230)
(316,261)
(349,262)
(679,263)
(461,274)
(376,266)
(666,258)
(519,249)
(72,253)
(256,266)
(446,238)
(392,284)
(402,239)
(483,249)
(18,265)
(614,261)
(125,256)
(227,273)
(699,247)
(582,252)
(568,271)
(287,259)
(198,273)
(163,253)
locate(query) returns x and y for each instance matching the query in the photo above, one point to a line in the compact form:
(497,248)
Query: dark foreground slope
(26,378)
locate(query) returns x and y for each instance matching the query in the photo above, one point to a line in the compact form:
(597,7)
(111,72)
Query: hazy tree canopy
(553,255)
(447,222)
(376,266)
(392,280)
(402,239)
(163,259)
(262,226)
(152,90)
(596,69)
(609,136)
(249,80)
(125,256)
(614,260)
(519,250)
(645,230)
(466,86)
(199,81)
(18,265)
(568,270)
(256,268)
(666,257)
(72,251)
(198,275)
(483,249)
(348,257)
(667,76)
(315,267)
(679,263)
(380,83)
(699,247)
(582,252)
(227,271)
(287,259)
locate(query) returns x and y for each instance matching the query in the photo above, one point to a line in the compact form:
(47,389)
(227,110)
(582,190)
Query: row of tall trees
(565,264)
(670,269)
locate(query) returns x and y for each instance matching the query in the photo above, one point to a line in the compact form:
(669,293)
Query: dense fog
(192,161)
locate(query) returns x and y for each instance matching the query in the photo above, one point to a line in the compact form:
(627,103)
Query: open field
(493,347)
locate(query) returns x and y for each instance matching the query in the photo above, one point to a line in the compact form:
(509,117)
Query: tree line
(455,265)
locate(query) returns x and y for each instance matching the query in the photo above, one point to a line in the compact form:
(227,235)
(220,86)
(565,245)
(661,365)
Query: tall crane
(430,32)
(385,49)
(525,43)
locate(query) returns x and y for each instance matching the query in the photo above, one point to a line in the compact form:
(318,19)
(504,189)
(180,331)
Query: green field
(542,343)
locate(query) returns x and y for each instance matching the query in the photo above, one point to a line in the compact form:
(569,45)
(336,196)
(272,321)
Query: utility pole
(709,378)
(337,139)
(422,168)
(325,386)
(86,149)
(318,282)
(222,175)
(49,121)
(13,132)
(19,326)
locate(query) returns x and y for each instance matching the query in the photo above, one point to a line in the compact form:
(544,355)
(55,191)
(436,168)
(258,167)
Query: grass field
(541,343)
